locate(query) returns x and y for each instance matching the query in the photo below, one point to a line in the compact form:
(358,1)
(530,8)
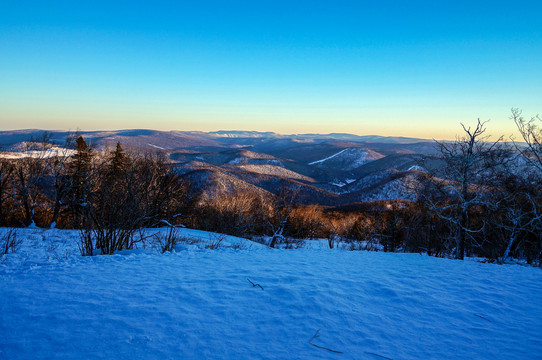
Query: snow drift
(199,303)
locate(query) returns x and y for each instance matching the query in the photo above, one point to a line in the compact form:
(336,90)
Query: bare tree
(467,165)
(29,172)
(531,132)
(389,226)
(284,203)
(522,187)
(159,190)
(519,219)
(57,165)
(9,243)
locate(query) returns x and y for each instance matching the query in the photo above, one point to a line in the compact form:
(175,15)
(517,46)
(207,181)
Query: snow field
(198,304)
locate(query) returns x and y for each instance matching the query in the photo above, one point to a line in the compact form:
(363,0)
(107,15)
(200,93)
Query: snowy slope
(251,161)
(198,304)
(274,170)
(348,159)
(385,184)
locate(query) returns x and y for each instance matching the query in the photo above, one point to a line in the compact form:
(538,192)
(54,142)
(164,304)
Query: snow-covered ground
(198,303)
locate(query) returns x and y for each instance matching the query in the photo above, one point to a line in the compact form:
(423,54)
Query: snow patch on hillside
(388,184)
(417,168)
(329,157)
(371,180)
(401,188)
(348,159)
(156,147)
(237,160)
(274,170)
(342,183)
(38,154)
(255,161)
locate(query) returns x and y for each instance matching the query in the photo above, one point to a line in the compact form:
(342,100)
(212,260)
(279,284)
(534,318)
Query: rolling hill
(328,169)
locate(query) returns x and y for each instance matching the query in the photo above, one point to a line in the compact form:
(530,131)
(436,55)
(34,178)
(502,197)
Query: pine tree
(6,171)
(80,172)
(118,162)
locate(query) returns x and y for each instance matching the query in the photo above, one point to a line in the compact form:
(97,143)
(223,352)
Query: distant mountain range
(176,138)
(332,136)
(329,169)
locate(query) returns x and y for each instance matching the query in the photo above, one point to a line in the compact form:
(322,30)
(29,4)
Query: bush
(215,241)
(9,242)
(168,241)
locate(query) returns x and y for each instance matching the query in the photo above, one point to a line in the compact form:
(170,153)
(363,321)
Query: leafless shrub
(108,239)
(85,243)
(280,242)
(238,214)
(53,251)
(332,240)
(308,222)
(215,241)
(261,240)
(9,242)
(191,240)
(293,243)
(168,241)
(238,245)
(356,245)
(363,245)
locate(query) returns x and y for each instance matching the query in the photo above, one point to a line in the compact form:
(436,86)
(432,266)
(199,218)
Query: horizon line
(214,132)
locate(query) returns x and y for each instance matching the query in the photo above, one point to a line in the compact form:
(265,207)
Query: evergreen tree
(80,172)
(6,171)
(118,163)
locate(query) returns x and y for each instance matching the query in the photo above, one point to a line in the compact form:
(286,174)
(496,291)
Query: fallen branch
(254,285)
(168,224)
(321,347)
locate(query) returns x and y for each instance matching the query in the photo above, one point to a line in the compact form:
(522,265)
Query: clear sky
(405,68)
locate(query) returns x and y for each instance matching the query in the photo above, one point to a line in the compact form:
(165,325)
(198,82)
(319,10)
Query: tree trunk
(509,247)
(56,211)
(462,236)
(1,208)
(27,211)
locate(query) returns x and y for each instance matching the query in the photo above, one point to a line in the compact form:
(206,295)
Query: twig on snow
(383,357)
(254,285)
(321,347)
(480,316)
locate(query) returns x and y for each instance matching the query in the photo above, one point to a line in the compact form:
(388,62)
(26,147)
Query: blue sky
(409,68)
